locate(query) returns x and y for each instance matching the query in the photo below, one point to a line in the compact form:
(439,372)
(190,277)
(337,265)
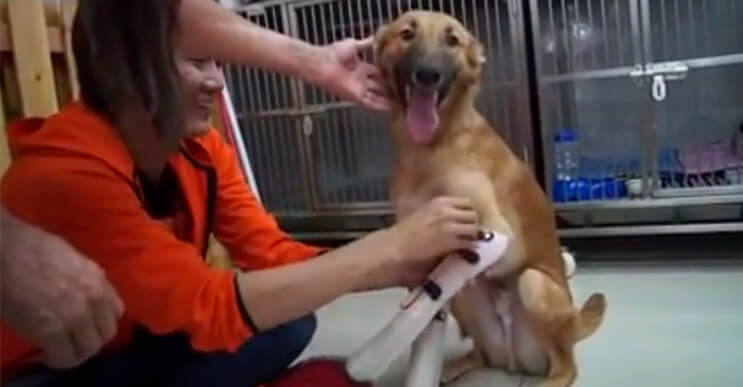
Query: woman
(134,179)
(48,312)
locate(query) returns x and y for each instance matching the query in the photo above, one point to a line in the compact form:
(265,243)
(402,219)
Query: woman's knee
(294,336)
(305,327)
(261,359)
(279,347)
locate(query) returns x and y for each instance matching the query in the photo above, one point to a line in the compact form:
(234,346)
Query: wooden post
(4,150)
(32,57)
(68,14)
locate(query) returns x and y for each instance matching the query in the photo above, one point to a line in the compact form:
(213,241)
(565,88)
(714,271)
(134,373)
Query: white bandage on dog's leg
(427,355)
(569,261)
(502,303)
(447,279)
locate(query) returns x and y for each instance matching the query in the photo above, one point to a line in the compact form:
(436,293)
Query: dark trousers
(169,361)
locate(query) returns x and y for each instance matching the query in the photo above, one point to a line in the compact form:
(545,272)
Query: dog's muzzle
(425,72)
(426,75)
(423,82)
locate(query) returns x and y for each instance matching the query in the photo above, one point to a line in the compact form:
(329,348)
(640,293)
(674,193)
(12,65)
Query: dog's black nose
(427,76)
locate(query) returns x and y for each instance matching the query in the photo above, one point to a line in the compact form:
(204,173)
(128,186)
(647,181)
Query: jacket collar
(80,130)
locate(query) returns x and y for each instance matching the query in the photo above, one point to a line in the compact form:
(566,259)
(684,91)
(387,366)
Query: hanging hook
(307,125)
(659,88)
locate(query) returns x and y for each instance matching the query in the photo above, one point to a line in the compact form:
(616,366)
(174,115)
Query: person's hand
(346,75)
(53,296)
(421,239)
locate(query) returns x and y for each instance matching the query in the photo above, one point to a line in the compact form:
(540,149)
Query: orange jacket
(72,176)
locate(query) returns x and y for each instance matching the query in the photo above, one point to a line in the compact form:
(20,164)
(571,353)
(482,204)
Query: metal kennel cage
(640,111)
(313,154)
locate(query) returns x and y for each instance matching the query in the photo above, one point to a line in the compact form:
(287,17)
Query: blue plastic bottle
(566,166)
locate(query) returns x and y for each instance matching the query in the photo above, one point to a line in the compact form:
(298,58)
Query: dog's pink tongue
(422,117)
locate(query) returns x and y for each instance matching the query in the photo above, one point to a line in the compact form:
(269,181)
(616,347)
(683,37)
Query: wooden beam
(12,105)
(68,14)
(52,12)
(3,10)
(32,57)
(11,91)
(4,150)
(53,34)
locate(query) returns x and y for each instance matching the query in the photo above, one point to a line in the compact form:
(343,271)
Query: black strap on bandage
(432,289)
(470,256)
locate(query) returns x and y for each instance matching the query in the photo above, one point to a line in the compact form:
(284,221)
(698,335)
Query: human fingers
(365,43)
(377,88)
(375,102)
(86,337)
(374,77)
(372,70)
(113,299)
(462,231)
(377,91)
(458,202)
(59,351)
(453,210)
(93,287)
(468,217)
(105,318)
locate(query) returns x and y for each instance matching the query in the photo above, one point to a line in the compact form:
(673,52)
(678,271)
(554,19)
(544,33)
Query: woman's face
(202,79)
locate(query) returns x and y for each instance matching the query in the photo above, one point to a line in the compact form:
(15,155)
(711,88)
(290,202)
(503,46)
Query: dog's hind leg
(457,367)
(552,317)
(563,370)
(502,301)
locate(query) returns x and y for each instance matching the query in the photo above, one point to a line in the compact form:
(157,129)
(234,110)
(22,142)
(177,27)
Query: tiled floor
(664,327)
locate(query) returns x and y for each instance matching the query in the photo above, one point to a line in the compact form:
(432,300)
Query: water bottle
(566,165)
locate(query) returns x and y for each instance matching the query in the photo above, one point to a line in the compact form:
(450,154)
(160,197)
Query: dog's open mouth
(422,87)
(422,116)
(421,110)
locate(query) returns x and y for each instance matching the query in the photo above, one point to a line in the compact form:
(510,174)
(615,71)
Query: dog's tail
(590,316)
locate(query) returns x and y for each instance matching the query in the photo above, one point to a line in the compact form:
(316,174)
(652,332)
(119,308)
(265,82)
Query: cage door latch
(308,126)
(659,73)
(671,71)
(658,89)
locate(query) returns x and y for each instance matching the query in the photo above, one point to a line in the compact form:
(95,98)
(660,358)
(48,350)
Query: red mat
(318,373)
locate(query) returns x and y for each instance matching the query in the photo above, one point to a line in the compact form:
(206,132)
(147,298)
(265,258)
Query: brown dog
(520,314)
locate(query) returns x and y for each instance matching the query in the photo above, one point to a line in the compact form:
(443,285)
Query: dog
(520,312)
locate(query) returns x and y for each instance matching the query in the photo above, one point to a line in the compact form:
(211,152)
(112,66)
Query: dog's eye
(407,34)
(452,40)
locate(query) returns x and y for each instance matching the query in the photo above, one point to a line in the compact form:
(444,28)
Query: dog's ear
(379,40)
(475,54)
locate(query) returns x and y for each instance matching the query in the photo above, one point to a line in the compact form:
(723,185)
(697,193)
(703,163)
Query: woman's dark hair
(125,58)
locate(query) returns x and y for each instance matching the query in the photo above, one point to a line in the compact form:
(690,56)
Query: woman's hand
(420,240)
(346,75)
(214,32)
(402,255)
(54,297)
